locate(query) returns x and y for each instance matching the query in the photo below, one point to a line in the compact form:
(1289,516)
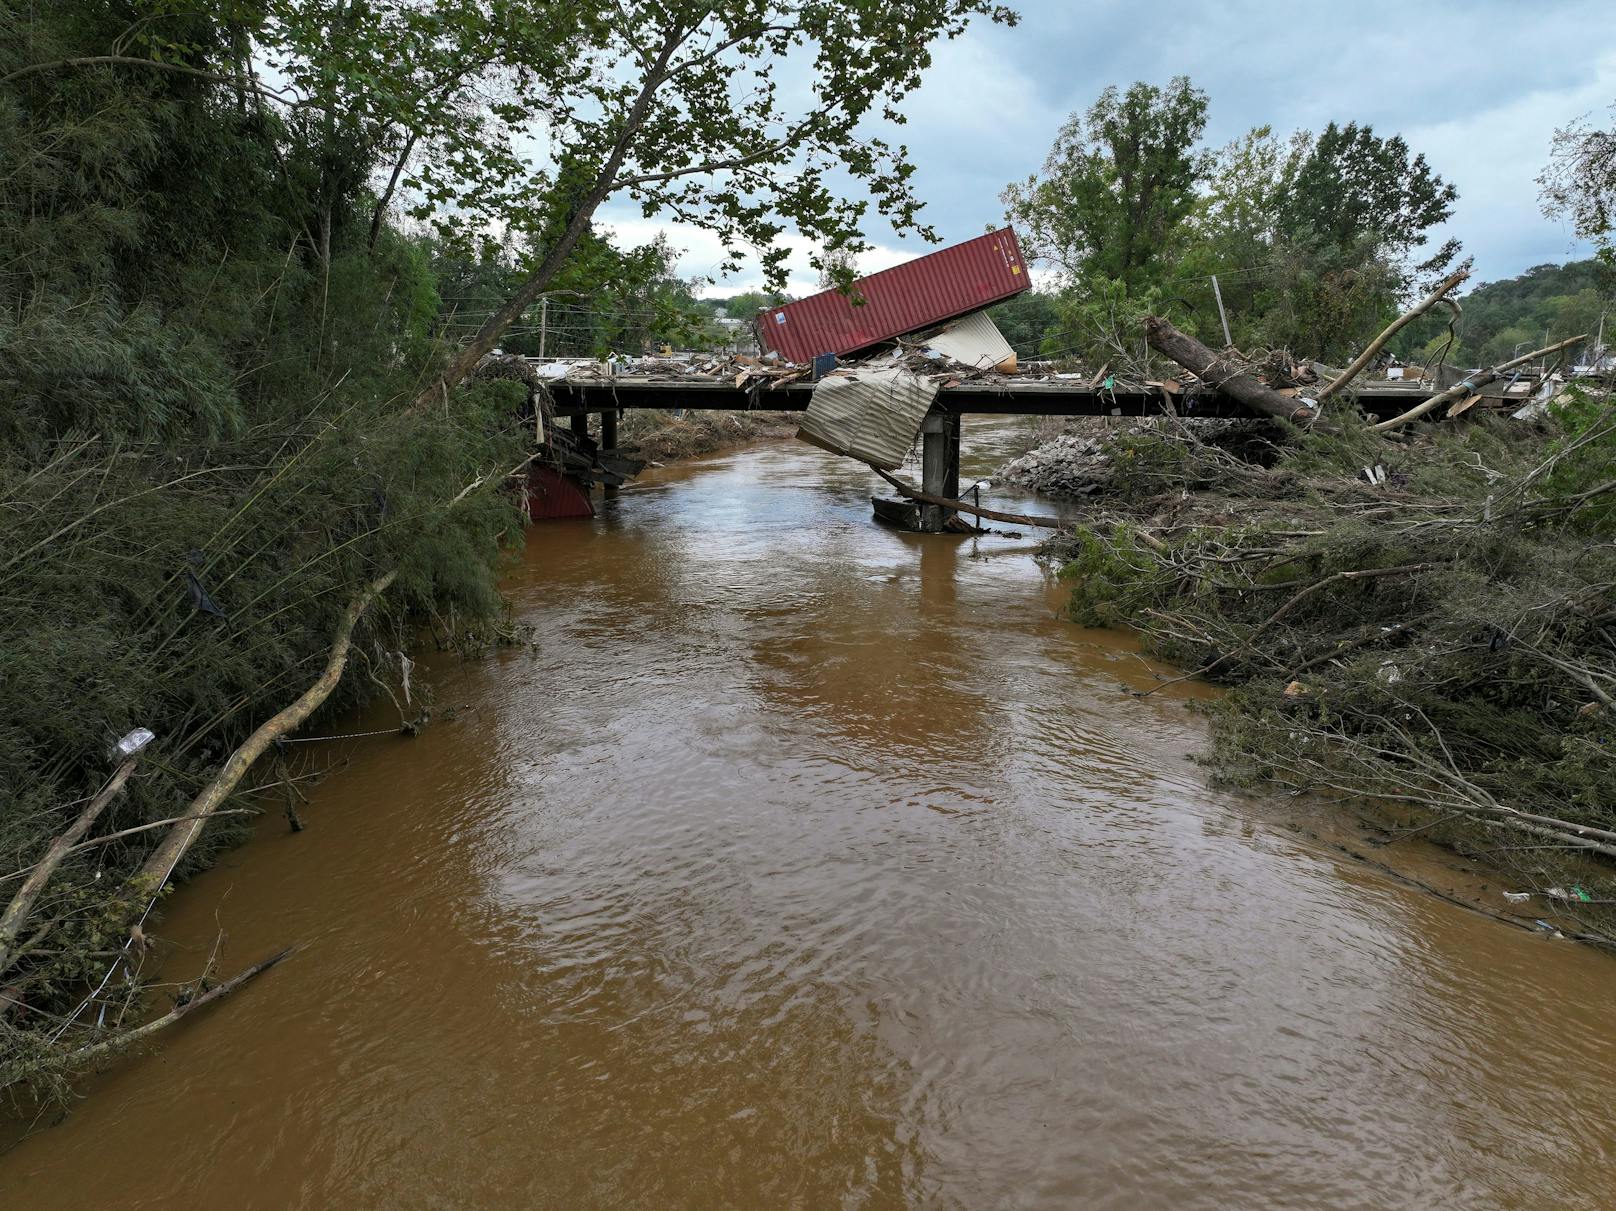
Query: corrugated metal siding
(917,294)
(872,415)
(974,341)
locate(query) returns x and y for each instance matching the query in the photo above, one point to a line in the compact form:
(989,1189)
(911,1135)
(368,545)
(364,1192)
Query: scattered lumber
(1224,374)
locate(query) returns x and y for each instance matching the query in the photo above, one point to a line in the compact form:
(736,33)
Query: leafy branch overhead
(740,118)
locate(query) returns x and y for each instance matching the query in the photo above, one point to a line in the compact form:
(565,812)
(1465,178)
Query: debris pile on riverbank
(1426,625)
(1070,464)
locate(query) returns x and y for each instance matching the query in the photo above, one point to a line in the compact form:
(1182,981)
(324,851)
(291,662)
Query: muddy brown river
(805,864)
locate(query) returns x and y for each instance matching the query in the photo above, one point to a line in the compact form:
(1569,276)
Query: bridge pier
(940,451)
(608,439)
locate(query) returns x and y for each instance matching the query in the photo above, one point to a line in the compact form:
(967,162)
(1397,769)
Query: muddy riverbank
(802,863)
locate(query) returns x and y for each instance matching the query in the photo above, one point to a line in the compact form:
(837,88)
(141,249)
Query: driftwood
(160,864)
(1474,383)
(1224,374)
(218,992)
(1015,519)
(965,506)
(1447,285)
(16,914)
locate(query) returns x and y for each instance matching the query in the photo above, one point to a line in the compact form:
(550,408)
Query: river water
(805,864)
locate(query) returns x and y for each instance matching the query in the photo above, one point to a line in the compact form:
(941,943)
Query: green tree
(677,106)
(1355,187)
(746,306)
(1311,238)
(1030,321)
(1117,186)
(1234,233)
(1579,182)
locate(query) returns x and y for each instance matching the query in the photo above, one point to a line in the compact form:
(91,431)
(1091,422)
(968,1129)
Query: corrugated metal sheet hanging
(872,415)
(917,294)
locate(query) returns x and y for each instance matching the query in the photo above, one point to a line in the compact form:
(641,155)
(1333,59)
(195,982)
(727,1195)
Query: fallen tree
(1225,373)
(1473,383)
(1438,645)
(1446,287)
(162,861)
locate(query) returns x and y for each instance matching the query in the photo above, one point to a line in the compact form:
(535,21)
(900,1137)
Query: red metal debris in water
(551,494)
(917,294)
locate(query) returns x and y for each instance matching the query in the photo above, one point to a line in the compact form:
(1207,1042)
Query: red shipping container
(917,294)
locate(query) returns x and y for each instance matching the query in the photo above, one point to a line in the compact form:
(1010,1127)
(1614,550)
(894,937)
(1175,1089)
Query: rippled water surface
(806,864)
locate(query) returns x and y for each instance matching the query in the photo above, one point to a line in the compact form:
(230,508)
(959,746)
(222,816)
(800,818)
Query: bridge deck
(1032,398)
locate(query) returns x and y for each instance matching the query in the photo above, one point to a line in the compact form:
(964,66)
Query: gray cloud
(1477,85)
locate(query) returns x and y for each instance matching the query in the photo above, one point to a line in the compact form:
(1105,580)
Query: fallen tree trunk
(160,864)
(1447,285)
(1014,519)
(1474,383)
(965,506)
(16,914)
(1224,375)
(128,1038)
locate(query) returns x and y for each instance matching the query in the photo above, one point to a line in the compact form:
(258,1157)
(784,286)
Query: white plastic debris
(1517,897)
(134,742)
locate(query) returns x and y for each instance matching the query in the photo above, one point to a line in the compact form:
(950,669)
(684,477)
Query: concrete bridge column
(940,449)
(608,438)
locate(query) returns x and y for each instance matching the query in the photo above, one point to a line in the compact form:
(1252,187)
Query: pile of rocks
(1073,464)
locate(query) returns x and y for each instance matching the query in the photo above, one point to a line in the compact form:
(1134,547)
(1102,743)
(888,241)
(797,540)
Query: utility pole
(544,322)
(1218,294)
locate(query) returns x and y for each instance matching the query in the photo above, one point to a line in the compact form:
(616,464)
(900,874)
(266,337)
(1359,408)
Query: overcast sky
(1477,85)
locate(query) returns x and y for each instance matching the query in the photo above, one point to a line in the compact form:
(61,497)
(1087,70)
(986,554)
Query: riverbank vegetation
(249,256)
(1442,640)
(1426,625)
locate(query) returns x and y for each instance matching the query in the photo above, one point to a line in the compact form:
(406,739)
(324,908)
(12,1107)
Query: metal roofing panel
(975,341)
(917,294)
(872,415)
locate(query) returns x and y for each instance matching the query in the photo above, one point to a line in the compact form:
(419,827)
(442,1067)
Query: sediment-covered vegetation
(1418,618)
(1440,642)
(249,257)
(660,435)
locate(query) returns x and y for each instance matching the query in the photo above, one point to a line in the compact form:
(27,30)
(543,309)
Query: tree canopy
(1117,185)
(1580,181)
(1314,241)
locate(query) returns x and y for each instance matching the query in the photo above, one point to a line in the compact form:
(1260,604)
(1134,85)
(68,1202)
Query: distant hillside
(1542,305)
